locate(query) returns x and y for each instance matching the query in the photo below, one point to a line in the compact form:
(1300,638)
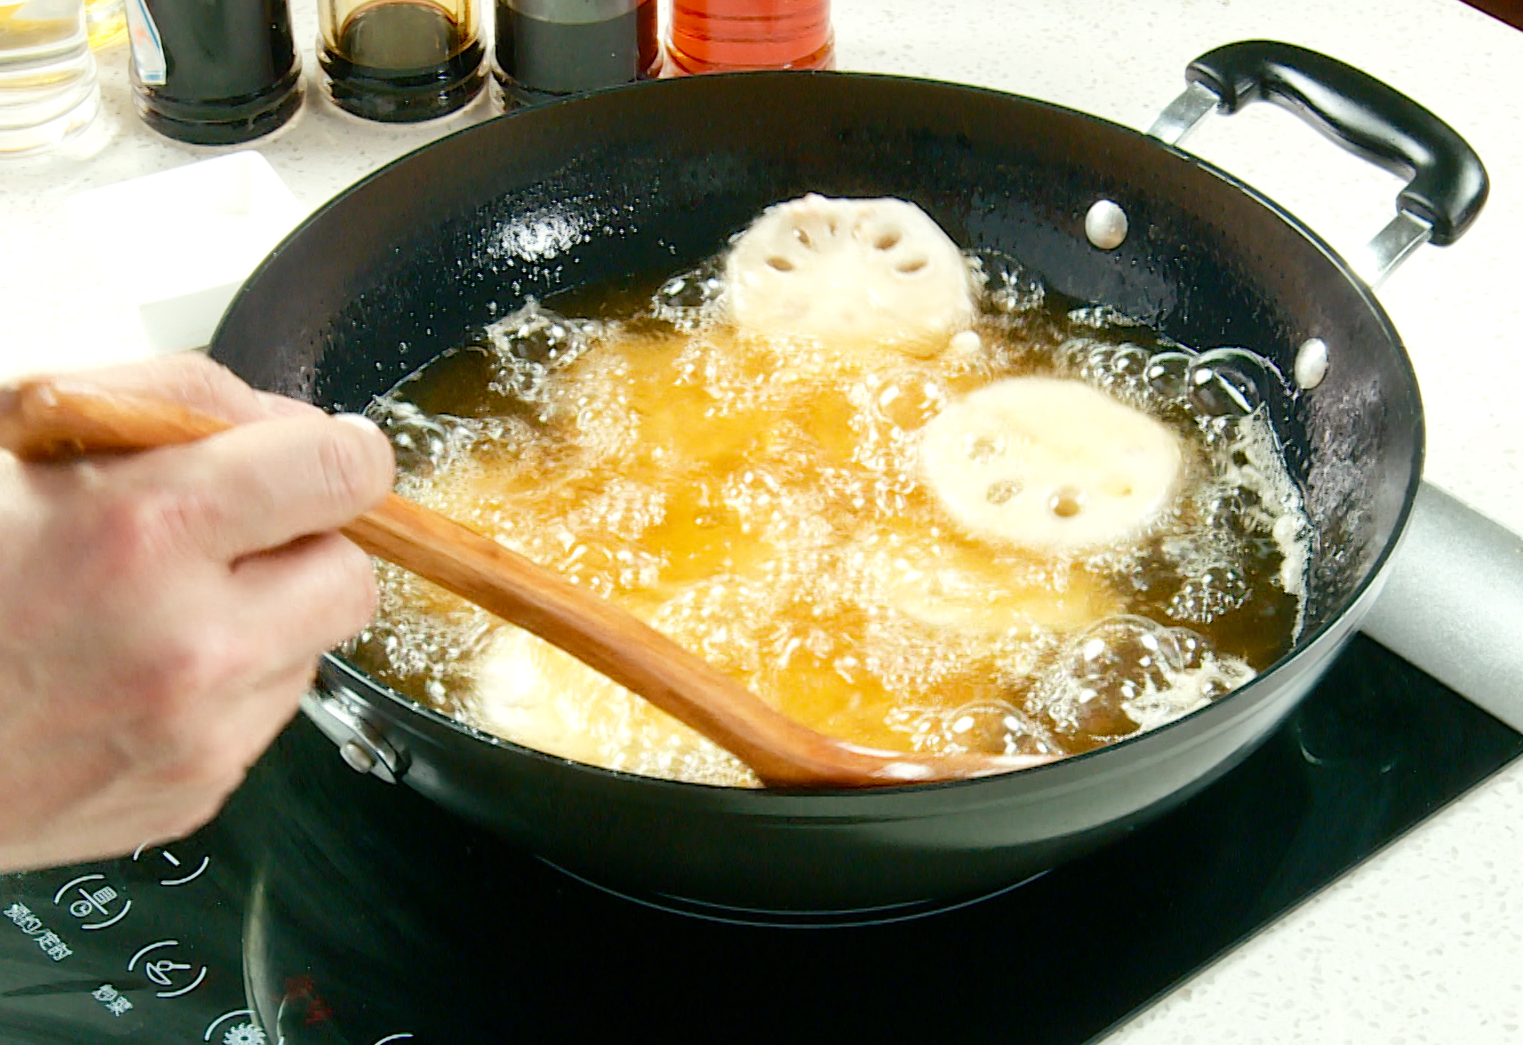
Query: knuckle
(209,768)
(183,673)
(142,527)
(197,777)
(132,530)
(200,380)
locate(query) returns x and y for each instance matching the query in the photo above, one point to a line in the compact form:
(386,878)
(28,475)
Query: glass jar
(710,36)
(401,60)
(106,22)
(213,73)
(48,90)
(548,49)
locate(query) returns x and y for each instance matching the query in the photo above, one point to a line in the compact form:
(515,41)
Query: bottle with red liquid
(710,36)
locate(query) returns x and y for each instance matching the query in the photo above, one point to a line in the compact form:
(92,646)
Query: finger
(305,598)
(259,486)
(281,610)
(192,379)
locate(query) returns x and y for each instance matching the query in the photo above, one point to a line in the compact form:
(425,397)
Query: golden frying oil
(759,502)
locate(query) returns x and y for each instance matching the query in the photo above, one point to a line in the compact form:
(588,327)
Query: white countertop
(1424,943)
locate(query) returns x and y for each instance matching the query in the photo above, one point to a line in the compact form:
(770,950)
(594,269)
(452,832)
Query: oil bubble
(1129,672)
(426,444)
(1221,390)
(687,300)
(1168,376)
(1208,593)
(532,343)
(1010,287)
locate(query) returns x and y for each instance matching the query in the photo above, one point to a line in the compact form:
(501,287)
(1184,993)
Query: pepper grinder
(548,49)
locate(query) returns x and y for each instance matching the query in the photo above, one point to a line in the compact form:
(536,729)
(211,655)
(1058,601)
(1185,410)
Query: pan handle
(1447,183)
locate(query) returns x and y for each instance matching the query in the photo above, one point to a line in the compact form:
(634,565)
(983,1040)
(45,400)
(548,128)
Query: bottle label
(147,47)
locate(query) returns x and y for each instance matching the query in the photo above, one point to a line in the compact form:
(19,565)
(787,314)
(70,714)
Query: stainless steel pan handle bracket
(362,745)
(1446,183)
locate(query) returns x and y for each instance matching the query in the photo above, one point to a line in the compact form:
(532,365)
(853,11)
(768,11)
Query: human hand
(161,613)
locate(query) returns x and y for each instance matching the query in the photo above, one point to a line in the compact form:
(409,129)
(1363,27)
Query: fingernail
(359,421)
(382,443)
(283,406)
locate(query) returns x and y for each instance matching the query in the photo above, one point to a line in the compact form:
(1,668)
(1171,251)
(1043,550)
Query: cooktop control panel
(144,948)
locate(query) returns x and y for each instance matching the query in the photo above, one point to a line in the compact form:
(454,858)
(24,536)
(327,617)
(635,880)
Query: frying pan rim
(1201,717)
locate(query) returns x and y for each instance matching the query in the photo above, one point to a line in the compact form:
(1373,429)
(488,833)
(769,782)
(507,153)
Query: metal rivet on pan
(1311,363)
(1105,225)
(359,757)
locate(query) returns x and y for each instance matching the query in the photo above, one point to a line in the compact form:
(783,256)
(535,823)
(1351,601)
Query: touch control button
(176,977)
(185,871)
(93,899)
(241,1029)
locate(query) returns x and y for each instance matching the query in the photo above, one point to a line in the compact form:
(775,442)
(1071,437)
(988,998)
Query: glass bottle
(730,35)
(401,60)
(48,90)
(106,22)
(213,73)
(548,49)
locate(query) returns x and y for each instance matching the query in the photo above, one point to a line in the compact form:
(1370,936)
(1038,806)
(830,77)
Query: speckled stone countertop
(1424,943)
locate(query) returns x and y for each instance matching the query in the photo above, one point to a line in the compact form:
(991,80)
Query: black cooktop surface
(326,907)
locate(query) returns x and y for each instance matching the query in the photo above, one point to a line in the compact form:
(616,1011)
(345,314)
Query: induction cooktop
(326,907)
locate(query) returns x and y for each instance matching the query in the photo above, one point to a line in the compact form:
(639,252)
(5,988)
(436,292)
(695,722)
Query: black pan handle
(1447,183)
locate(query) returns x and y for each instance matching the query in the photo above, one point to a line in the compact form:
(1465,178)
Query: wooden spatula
(53,420)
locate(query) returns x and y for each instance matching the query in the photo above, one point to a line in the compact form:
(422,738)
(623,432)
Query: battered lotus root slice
(1049,464)
(854,270)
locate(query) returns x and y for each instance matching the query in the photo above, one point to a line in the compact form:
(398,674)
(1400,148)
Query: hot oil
(759,501)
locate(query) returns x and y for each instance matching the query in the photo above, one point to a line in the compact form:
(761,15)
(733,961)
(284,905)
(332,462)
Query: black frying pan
(637,182)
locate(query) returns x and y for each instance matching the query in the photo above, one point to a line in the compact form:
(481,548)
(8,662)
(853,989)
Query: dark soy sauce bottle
(401,60)
(213,73)
(547,49)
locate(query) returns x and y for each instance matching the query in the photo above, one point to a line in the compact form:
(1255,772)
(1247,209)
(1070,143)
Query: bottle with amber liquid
(401,61)
(709,36)
(213,73)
